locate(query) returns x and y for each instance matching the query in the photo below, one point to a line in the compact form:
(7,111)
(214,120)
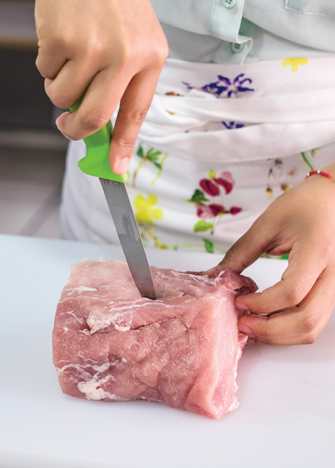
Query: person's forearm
(330,169)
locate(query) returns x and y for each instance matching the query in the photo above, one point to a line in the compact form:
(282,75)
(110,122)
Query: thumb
(246,250)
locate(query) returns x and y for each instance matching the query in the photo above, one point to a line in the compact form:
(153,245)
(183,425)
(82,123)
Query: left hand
(301,223)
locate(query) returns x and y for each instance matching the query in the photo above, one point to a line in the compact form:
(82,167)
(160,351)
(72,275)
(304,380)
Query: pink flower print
(234,210)
(209,187)
(204,212)
(216,209)
(228,176)
(225,184)
(209,211)
(226,181)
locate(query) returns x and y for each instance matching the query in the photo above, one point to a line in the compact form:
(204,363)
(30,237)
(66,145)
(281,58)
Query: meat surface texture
(181,349)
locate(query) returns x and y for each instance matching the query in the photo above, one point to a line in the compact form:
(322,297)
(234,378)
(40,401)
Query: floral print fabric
(209,209)
(226,87)
(219,144)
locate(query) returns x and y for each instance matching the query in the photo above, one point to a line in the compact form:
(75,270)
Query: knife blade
(96,163)
(130,239)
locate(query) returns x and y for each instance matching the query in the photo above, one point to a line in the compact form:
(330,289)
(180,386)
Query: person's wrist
(319,172)
(325,180)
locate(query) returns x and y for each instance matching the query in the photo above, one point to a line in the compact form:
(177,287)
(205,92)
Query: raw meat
(181,349)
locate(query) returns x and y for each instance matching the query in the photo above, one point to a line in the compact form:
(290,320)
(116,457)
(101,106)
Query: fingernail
(246,330)
(59,120)
(123,166)
(241,306)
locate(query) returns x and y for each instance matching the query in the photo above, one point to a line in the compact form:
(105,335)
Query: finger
(70,83)
(296,282)
(134,106)
(248,248)
(50,61)
(299,325)
(99,104)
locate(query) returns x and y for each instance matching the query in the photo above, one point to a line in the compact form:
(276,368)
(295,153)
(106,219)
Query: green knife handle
(96,161)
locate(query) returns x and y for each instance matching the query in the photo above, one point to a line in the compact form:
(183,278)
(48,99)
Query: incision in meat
(181,349)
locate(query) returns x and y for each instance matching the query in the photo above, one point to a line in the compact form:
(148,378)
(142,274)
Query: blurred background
(32,151)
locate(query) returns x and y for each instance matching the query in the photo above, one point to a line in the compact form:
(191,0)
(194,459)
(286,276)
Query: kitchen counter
(286,416)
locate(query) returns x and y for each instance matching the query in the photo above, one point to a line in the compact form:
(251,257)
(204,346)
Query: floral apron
(219,143)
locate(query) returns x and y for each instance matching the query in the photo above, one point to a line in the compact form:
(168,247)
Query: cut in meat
(181,349)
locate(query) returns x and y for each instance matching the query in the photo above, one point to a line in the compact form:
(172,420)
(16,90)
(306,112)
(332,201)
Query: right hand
(118,49)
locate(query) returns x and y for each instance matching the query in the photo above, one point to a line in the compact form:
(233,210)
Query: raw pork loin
(181,349)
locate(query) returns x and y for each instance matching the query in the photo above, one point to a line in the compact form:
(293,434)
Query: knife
(96,163)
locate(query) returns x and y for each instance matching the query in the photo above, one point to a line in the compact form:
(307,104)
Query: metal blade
(127,229)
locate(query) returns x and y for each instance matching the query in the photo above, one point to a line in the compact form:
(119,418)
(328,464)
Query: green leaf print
(153,155)
(140,151)
(198,198)
(160,167)
(202,226)
(304,157)
(209,246)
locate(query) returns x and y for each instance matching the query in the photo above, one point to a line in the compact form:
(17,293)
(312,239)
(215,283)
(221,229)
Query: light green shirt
(234,31)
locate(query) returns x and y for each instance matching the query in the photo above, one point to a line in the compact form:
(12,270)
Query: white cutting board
(286,416)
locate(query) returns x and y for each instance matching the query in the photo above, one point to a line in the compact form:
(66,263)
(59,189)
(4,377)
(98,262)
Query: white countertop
(286,416)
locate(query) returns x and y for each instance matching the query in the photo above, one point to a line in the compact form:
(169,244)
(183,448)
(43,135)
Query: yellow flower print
(145,209)
(295,62)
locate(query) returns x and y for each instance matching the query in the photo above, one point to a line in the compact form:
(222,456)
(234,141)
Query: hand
(301,223)
(118,48)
